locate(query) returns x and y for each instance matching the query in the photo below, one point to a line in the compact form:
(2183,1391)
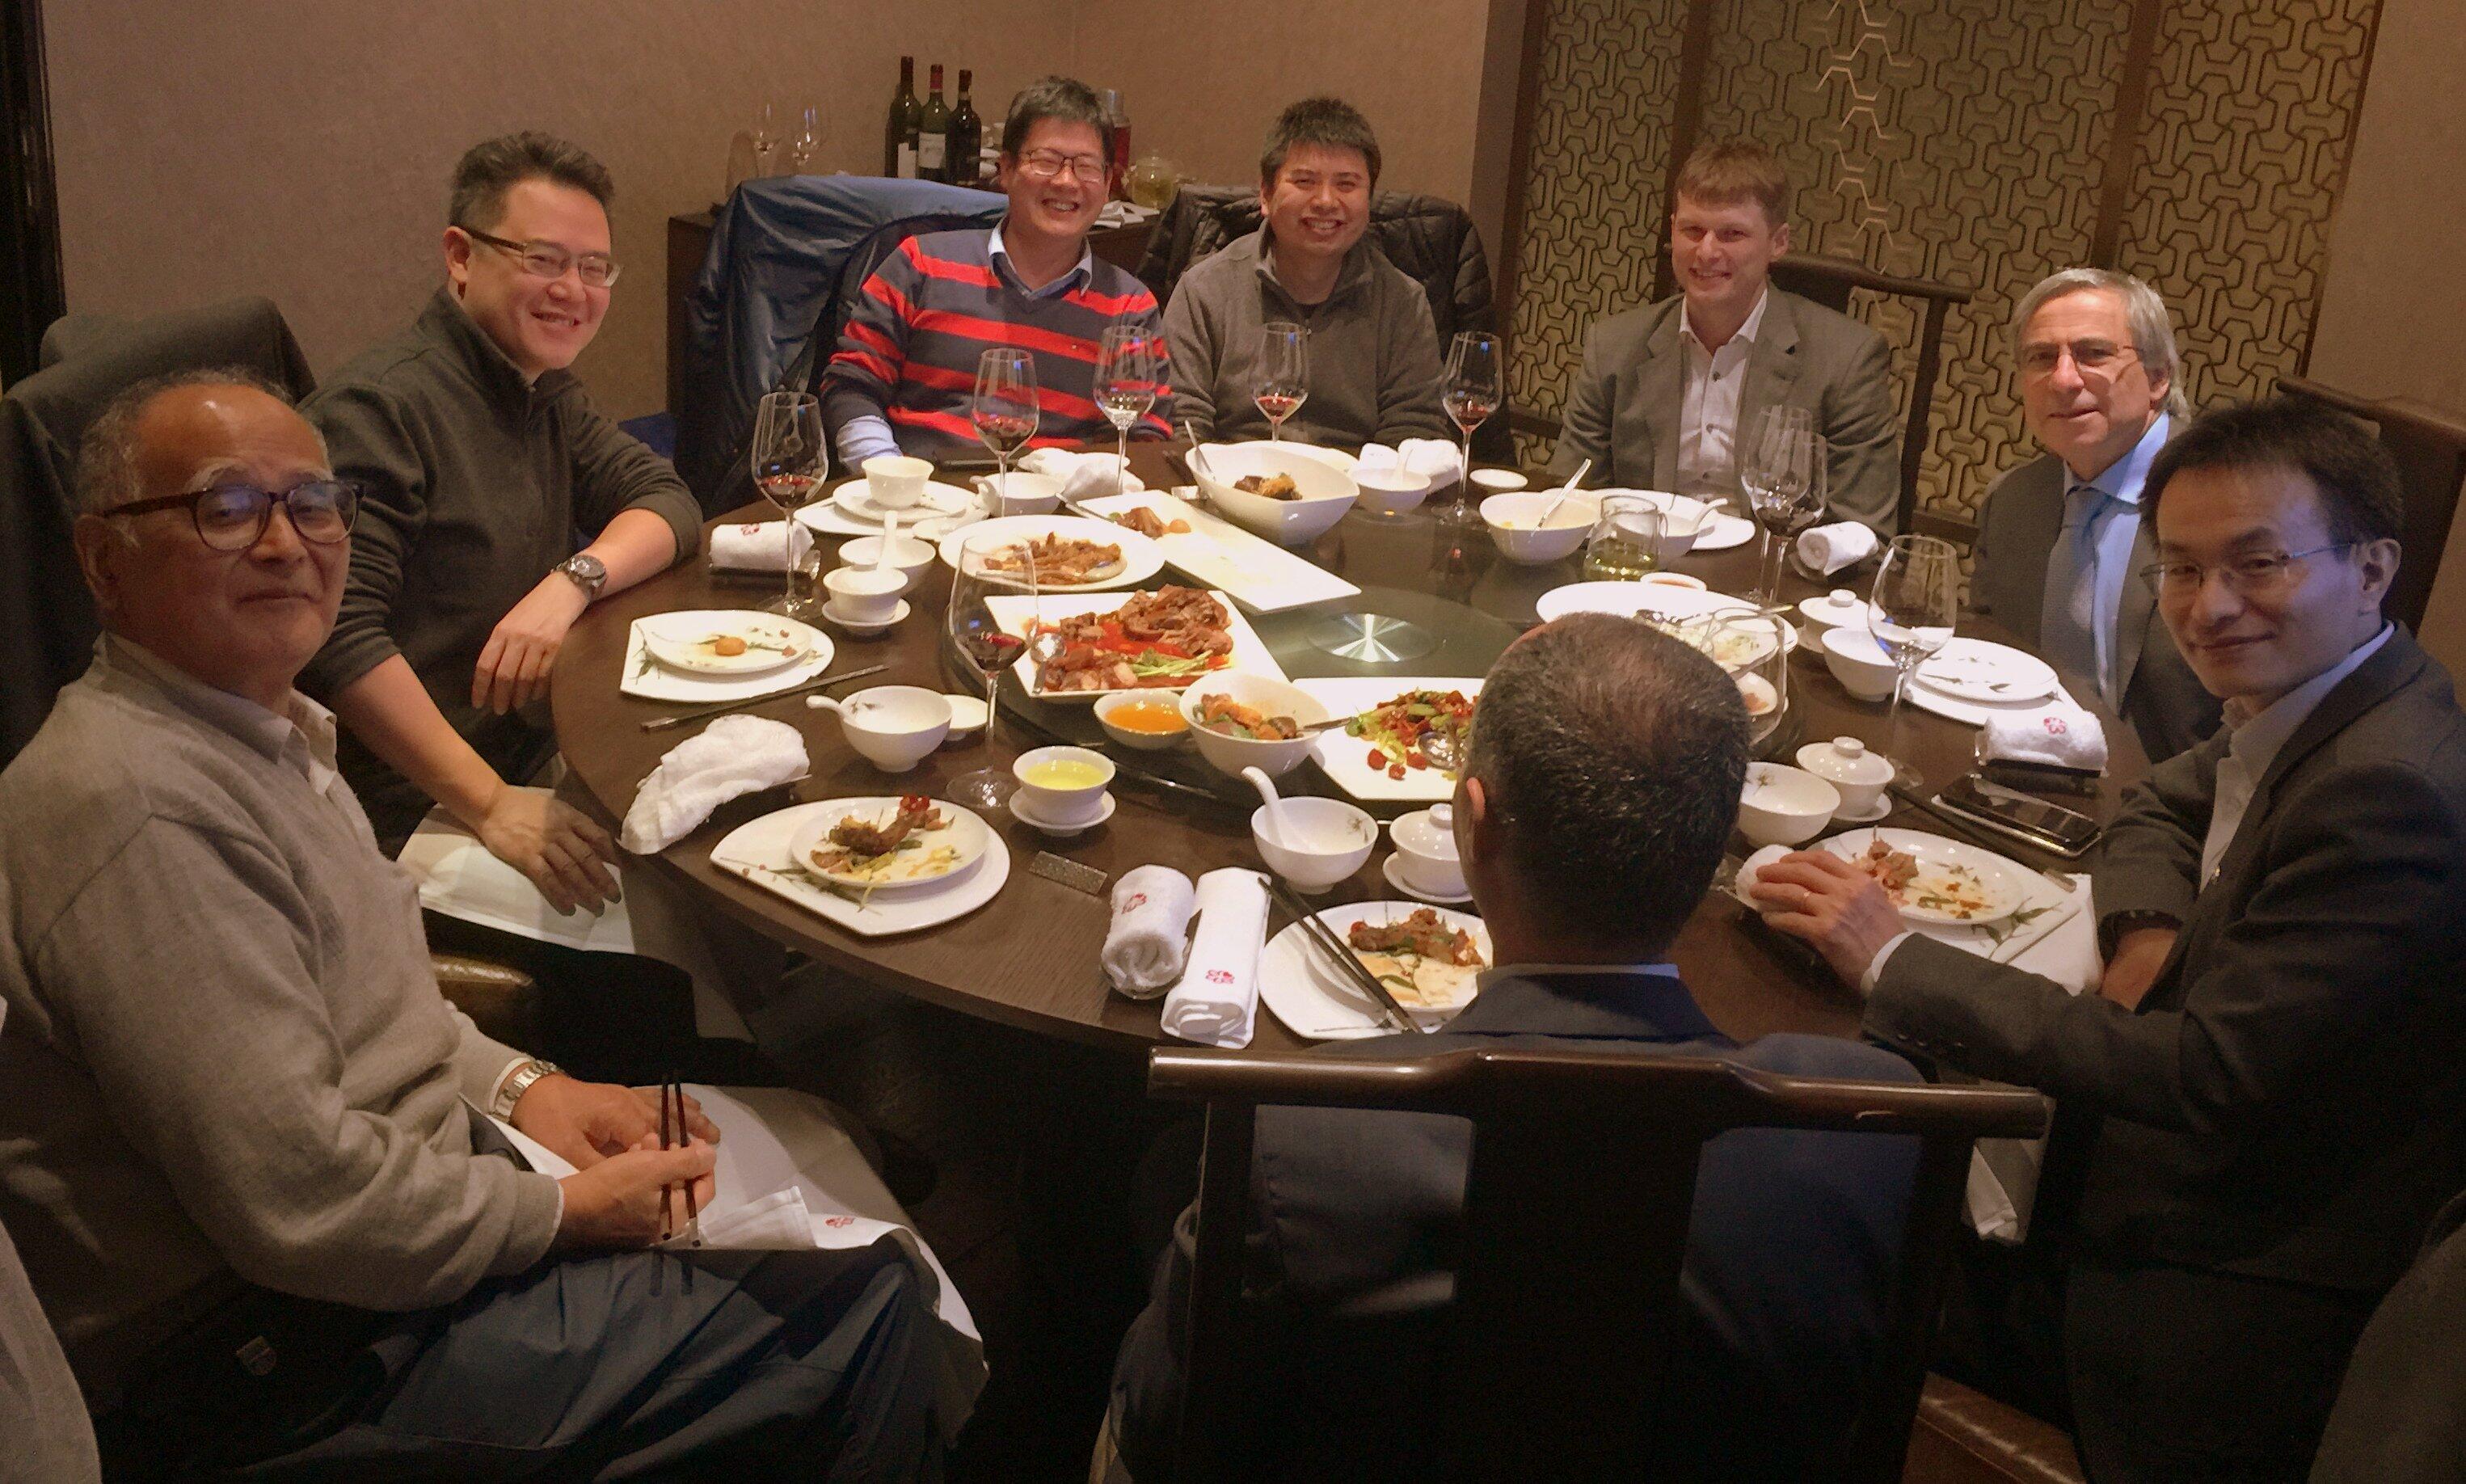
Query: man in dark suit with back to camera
(2275,1053)
(2060,537)
(1594,807)
(1672,395)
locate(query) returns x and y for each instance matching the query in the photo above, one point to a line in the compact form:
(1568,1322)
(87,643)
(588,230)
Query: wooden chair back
(2430,447)
(1575,1226)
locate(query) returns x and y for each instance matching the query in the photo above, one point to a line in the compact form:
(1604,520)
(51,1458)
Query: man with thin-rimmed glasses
(2275,1058)
(904,371)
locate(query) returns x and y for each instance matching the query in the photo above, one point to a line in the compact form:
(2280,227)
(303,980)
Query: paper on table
(458,878)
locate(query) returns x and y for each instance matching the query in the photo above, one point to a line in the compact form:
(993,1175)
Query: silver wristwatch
(588,573)
(519,1082)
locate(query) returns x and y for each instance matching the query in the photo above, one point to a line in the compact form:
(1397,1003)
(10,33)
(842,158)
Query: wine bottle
(967,136)
(934,135)
(899,133)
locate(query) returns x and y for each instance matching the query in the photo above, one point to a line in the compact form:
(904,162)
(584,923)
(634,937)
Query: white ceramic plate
(1719,531)
(1975,670)
(1316,999)
(1627,599)
(1015,611)
(757,851)
(1255,573)
(2004,883)
(681,641)
(966,836)
(855,501)
(1141,557)
(1346,759)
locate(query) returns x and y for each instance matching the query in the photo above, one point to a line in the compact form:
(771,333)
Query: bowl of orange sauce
(1146,719)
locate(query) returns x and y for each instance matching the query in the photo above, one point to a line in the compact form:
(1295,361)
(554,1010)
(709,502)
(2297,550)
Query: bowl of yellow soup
(1062,785)
(1143,719)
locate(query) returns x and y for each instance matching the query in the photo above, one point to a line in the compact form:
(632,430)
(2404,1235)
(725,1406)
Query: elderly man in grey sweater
(1373,352)
(240,1154)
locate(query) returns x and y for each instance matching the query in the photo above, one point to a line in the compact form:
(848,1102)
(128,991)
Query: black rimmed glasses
(551,262)
(1045,165)
(233,517)
(2249,575)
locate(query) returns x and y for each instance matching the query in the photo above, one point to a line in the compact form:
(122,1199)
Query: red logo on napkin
(838,1221)
(749,528)
(1138,899)
(1220,976)
(2055,726)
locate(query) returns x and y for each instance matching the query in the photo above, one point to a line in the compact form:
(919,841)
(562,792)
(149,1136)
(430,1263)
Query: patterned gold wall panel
(1592,205)
(2246,146)
(1964,141)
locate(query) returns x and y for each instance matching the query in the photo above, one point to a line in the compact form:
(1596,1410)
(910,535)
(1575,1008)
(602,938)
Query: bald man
(238,1152)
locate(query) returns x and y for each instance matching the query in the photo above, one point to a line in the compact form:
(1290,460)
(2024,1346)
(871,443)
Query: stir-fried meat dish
(1165,639)
(1224,714)
(859,839)
(1149,524)
(1061,561)
(1891,868)
(1273,487)
(1423,933)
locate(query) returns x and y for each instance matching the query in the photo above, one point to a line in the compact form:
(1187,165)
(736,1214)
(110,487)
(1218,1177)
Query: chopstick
(693,1215)
(658,723)
(1323,938)
(667,1222)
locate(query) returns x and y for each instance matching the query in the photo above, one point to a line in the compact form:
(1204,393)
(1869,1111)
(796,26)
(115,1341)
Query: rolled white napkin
(1218,995)
(1083,476)
(2058,735)
(759,546)
(733,756)
(1144,949)
(1828,548)
(1433,457)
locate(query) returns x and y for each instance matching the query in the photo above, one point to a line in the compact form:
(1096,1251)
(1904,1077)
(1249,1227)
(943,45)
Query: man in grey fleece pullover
(240,1155)
(1374,354)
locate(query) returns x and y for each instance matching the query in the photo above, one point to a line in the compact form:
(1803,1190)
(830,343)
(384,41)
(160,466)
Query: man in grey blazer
(1602,786)
(2061,538)
(1672,395)
(2277,1056)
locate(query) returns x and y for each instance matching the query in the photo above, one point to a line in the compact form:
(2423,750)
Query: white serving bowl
(1858,662)
(1025,493)
(1784,806)
(908,557)
(1326,840)
(1514,524)
(1327,493)
(892,727)
(894,481)
(1065,807)
(1391,491)
(1144,741)
(1230,755)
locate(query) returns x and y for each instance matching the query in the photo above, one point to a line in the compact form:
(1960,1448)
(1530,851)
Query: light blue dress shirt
(2092,561)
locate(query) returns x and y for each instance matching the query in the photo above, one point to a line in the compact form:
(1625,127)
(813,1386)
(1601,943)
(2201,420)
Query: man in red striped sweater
(906,368)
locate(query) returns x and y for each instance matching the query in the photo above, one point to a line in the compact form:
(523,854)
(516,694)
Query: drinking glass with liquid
(1625,542)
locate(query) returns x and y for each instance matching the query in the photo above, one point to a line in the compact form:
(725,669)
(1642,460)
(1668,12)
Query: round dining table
(1029,956)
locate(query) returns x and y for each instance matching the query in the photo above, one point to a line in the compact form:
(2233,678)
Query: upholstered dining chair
(1574,1229)
(2430,447)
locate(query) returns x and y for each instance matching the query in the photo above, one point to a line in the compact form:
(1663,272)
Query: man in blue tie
(2060,536)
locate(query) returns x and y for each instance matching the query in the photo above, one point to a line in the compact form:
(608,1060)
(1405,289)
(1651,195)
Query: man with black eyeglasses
(905,372)
(2277,1051)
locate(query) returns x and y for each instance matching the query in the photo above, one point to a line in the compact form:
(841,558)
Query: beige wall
(300,149)
(2392,315)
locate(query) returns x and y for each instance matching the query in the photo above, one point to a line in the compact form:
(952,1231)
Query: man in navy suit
(1602,782)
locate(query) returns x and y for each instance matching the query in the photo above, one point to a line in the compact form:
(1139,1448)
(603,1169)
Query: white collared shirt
(301,739)
(2255,743)
(1708,411)
(1085,271)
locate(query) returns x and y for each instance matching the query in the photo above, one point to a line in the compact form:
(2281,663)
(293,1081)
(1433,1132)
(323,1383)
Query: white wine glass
(1781,473)
(990,567)
(1475,384)
(1284,374)
(791,460)
(1131,370)
(1918,594)
(1004,410)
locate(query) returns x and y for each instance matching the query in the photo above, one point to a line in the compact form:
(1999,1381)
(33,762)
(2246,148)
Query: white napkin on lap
(1828,548)
(760,546)
(1083,476)
(2058,736)
(1433,457)
(1218,997)
(733,756)
(1143,944)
